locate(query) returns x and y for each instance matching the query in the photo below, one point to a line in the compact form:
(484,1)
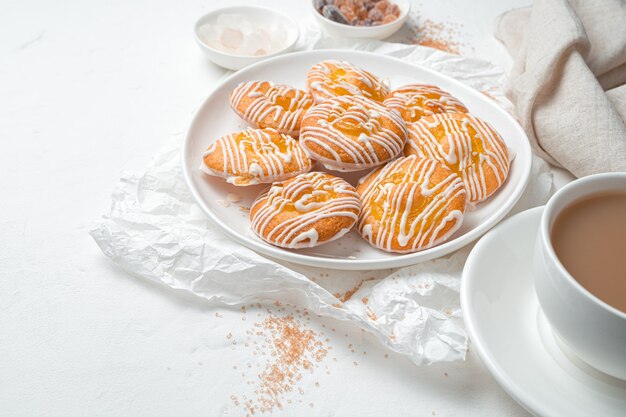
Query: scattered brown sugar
(291,350)
(488,94)
(446,46)
(439,35)
(348,294)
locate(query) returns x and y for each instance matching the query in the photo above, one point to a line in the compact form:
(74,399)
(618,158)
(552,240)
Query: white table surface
(88,90)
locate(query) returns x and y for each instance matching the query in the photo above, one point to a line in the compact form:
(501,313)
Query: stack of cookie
(428,158)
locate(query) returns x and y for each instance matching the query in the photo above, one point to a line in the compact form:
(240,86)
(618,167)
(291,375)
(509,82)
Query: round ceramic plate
(214,119)
(513,338)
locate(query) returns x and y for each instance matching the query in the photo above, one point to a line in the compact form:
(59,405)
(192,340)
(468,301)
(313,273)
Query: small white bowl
(259,15)
(368,32)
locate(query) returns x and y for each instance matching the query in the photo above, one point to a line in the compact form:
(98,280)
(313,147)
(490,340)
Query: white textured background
(88,90)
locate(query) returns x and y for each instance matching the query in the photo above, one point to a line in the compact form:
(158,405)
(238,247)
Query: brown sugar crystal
(438,35)
(358,12)
(293,350)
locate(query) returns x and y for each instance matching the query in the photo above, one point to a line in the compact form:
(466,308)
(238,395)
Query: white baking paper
(155,230)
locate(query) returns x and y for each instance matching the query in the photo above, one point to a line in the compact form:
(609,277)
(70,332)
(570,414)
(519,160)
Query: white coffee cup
(591,329)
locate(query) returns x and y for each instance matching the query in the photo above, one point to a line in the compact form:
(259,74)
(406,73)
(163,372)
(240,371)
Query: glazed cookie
(467,145)
(255,156)
(410,204)
(265,104)
(305,211)
(352,133)
(339,78)
(415,101)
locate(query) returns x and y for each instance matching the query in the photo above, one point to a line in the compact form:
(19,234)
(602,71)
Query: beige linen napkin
(569,80)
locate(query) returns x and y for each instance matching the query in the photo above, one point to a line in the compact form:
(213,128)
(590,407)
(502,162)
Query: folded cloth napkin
(569,80)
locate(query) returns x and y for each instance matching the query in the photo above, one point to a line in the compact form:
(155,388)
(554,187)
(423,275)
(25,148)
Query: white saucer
(512,337)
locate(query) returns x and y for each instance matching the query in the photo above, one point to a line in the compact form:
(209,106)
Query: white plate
(513,338)
(214,118)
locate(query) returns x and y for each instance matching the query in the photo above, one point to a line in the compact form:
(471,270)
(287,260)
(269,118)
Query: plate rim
(400,260)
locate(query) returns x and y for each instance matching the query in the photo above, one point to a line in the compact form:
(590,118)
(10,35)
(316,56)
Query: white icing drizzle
(256,157)
(474,162)
(400,188)
(301,229)
(264,110)
(308,238)
(413,99)
(377,145)
(355,81)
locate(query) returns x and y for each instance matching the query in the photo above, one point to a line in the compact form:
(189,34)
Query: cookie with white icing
(352,133)
(339,78)
(265,104)
(305,211)
(410,204)
(415,101)
(255,156)
(467,145)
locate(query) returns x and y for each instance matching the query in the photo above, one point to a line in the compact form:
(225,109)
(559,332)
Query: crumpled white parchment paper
(155,230)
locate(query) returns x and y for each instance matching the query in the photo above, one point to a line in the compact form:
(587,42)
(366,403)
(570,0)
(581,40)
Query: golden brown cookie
(265,104)
(339,78)
(415,101)
(255,156)
(305,211)
(465,144)
(410,204)
(352,133)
